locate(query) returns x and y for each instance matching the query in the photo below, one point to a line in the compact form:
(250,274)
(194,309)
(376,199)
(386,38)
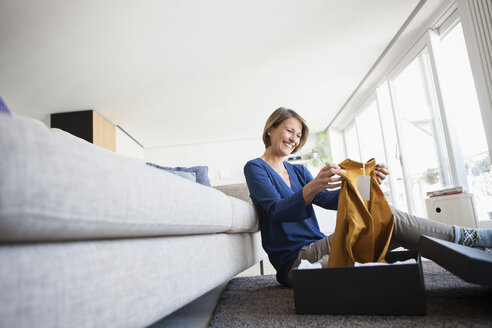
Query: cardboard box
(384,290)
(470,264)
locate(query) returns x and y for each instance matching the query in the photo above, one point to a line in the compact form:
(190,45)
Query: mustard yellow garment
(363,230)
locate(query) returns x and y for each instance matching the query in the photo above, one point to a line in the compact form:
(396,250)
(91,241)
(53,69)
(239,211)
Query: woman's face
(285,137)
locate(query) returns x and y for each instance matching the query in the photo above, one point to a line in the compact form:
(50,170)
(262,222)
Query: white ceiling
(191,71)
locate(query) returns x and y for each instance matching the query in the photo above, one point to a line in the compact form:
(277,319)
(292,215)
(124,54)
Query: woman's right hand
(328,178)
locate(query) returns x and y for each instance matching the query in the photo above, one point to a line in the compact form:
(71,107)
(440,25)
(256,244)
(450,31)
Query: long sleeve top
(286,223)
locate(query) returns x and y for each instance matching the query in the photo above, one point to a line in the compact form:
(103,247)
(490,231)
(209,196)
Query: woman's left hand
(382,172)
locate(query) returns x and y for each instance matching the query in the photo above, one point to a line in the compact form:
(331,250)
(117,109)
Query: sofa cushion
(54,186)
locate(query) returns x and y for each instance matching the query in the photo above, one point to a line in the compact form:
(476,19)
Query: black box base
(379,290)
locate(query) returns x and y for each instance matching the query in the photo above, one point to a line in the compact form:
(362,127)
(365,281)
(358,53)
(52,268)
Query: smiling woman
(284,194)
(286,191)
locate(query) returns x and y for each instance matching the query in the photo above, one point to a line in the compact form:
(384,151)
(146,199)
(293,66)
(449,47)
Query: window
(364,139)
(464,118)
(419,132)
(352,142)
(395,180)
(370,136)
(371,139)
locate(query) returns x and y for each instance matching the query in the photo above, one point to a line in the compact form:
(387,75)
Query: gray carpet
(261,302)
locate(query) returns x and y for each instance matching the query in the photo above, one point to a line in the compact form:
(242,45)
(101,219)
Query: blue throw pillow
(3,108)
(201,172)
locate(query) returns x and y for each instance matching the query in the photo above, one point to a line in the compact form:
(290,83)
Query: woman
(283,194)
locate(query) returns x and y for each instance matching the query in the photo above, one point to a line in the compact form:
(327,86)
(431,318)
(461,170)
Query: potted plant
(431,176)
(319,155)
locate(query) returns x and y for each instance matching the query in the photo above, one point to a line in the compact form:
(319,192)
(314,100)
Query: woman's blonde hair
(276,118)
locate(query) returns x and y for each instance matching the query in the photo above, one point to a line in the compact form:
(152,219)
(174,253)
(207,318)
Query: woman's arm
(265,194)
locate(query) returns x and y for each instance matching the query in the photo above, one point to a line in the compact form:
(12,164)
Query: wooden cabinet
(88,125)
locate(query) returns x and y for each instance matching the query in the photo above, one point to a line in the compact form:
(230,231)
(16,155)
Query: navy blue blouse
(286,223)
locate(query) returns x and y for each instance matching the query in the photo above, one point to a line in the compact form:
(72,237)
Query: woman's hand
(381,172)
(327,178)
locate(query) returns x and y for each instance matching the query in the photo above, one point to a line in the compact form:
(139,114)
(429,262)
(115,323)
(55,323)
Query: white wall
(225,160)
(127,146)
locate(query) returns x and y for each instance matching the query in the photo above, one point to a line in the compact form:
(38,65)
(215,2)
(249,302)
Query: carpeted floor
(261,302)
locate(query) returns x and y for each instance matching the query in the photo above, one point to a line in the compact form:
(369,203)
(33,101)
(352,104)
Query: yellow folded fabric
(364,228)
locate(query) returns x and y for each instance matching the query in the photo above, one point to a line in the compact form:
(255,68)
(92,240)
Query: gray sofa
(91,238)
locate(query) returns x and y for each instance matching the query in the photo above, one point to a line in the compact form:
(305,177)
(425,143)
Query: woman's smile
(288,145)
